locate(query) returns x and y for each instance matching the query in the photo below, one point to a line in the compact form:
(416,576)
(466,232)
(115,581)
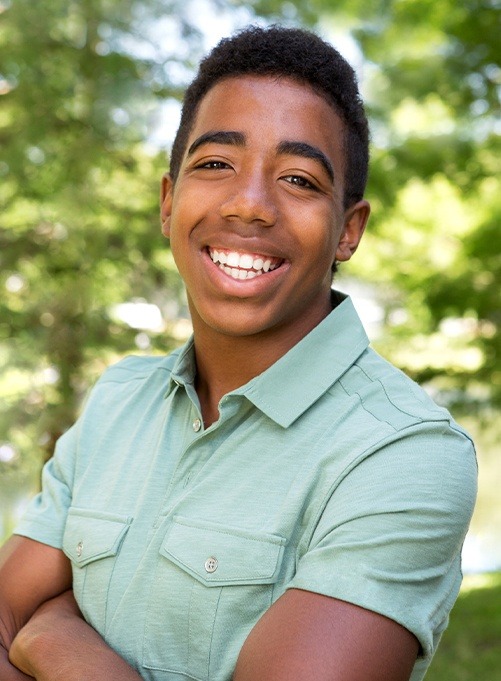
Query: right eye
(213,165)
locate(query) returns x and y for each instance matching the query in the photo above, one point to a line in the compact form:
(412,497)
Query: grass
(470,649)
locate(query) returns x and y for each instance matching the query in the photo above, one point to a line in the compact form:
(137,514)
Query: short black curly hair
(292,53)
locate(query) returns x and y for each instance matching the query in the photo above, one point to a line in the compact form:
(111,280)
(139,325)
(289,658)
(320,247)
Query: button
(79,549)
(197,424)
(211,564)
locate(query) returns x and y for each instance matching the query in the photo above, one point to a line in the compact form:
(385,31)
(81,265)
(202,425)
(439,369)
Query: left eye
(299,181)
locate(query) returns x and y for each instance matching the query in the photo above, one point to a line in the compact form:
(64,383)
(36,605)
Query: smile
(243,265)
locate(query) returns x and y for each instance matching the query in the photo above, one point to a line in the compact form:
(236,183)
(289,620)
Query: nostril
(250,206)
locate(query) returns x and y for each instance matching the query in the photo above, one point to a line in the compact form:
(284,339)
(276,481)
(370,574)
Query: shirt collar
(184,369)
(297,380)
(292,384)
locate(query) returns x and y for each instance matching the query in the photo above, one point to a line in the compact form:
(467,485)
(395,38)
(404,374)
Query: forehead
(278,106)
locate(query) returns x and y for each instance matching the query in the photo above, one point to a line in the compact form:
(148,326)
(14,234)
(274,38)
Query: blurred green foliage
(81,84)
(433,84)
(469,650)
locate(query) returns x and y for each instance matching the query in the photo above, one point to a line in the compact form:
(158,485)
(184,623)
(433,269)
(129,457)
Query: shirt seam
(369,451)
(135,377)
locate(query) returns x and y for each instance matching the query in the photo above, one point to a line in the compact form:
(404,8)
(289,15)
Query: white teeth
(233,259)
(242,265)
(247,262)
(239,274)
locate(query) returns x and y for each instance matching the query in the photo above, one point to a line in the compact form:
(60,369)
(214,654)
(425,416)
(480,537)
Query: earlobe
(166,188)
(355,220)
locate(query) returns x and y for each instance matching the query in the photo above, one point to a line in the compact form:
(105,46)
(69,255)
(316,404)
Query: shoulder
(406,448)
(389,396)
(388,428)
(129,385)
(133,368)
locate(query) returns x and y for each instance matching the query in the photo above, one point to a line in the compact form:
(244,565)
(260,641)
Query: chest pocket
(92,541)
(212,584)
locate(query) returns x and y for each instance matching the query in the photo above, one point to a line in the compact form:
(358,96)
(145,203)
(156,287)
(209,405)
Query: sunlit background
(89,104)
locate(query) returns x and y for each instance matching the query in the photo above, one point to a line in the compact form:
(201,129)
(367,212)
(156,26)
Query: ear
(355,220)
(166,189)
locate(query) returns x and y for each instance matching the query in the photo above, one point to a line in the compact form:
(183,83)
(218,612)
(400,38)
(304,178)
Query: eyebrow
(291,147)
(307,151)
(218,137)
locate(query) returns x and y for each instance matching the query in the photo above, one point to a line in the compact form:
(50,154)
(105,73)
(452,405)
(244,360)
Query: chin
(238,330)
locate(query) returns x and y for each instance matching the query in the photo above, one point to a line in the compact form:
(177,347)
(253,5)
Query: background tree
(433,85)
(79,229)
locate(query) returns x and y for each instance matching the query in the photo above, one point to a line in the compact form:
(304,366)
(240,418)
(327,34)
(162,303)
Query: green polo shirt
(330,472)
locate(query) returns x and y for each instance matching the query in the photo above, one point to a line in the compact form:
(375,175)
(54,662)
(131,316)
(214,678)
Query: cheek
(319,238)
(178,244)
(181,218)
(189,211)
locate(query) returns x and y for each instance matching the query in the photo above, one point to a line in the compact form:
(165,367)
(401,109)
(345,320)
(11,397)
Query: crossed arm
(29,575)
(42,633)
(304,636)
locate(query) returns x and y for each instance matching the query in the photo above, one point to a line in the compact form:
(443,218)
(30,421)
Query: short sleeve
(389,538)
(45,517)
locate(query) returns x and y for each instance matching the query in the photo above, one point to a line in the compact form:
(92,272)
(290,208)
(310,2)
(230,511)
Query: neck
(229,362)
(225,363)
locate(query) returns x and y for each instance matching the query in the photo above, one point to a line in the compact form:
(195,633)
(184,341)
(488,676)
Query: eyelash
(213,165)
(300,181)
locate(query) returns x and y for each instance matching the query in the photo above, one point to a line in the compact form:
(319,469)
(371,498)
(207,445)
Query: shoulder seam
(127,370)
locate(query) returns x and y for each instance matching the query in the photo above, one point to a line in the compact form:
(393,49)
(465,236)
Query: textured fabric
(330,472)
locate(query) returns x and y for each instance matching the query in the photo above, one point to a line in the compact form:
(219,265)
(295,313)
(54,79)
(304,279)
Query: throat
(224,365)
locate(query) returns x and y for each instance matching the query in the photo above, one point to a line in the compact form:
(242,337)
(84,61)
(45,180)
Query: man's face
(256,216)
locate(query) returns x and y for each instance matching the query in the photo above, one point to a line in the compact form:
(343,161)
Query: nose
(250,200)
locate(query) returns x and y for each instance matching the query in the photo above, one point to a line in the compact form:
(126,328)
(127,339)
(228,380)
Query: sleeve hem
(40,533)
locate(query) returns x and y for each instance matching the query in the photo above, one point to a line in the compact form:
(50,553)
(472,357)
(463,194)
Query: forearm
(58,645)
(30,574)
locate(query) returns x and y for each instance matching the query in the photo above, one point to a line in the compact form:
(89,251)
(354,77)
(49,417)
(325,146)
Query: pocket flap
(217,555)
(91,535)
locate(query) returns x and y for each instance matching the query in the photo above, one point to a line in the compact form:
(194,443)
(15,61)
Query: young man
(273,501)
